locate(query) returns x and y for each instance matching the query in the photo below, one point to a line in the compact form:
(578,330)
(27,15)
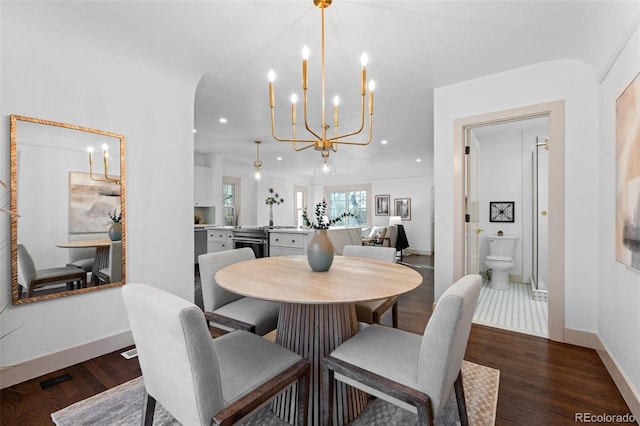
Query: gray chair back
(183,376)
(387,254)
(445,339)
(214,296)
(26,267)
(115,261)
(392,234)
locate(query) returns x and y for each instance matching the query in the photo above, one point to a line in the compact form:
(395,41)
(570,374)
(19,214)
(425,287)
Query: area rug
(122,406)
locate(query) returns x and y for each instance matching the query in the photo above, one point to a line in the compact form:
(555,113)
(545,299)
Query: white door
(472,208)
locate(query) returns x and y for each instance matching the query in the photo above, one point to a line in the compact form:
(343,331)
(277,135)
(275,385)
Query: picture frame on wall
(383,205)
(501,211)
(628,176)
(402,208)
(90,203)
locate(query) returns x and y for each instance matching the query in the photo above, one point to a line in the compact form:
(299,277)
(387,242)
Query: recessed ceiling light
(195,131)
(383,142)
(418,159)
(279,158)
(223,120)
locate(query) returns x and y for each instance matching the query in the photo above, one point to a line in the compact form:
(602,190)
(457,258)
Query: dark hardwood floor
(541,382)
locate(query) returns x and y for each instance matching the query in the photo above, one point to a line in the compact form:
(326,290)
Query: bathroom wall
(500,176)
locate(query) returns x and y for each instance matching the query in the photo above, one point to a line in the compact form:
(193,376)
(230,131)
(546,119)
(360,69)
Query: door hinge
(467,218)
(467,150)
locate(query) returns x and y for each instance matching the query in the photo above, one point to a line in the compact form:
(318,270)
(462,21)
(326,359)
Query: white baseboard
(629,393)
(586,339)
(416,251)
(36,367)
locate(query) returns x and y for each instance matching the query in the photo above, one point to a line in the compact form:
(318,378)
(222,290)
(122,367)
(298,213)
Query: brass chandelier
(257,173)
(320,140)
(105,160)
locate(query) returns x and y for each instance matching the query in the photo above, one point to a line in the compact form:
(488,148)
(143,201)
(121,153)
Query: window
(350,199)
(300,202)
(230,200)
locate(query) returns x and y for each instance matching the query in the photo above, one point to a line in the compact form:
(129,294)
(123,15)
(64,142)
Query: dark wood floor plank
(541,382)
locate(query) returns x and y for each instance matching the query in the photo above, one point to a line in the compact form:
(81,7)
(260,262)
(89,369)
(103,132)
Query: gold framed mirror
(66,204)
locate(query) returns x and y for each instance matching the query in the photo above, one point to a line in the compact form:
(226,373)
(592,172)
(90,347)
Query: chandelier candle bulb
(336,102)
(305,57)
(272,99)
(372,85)
(294,100)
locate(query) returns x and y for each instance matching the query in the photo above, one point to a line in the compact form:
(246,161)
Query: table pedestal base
(313,331)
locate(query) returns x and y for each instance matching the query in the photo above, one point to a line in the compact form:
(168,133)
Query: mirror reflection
(68,209)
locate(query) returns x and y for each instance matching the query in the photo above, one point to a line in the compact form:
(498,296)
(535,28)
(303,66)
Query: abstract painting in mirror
(66,203)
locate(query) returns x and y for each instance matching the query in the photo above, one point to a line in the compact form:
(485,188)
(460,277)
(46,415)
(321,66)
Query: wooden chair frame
(404,393)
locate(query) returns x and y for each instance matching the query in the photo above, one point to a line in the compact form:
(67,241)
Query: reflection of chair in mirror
(82,258)
(113,272)
(201,380)
(33,279)
(431,363)
(371,311)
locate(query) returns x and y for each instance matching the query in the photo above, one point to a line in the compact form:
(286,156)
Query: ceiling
(413,47)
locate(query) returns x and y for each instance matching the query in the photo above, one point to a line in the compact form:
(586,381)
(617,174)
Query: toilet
(502,252)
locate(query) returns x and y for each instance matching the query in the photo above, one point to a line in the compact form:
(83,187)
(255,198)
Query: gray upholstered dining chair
(425,368)
(371,311)
(231,311)
(200,380)
(32,279)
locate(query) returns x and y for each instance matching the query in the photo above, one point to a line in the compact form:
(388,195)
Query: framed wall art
(90,203)
(501,211)
(628,176)
(403,208)
(382,205)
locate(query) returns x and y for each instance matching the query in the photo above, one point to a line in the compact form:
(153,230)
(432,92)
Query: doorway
(505,170)
(555,275)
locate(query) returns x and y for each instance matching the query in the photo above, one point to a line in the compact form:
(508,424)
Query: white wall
(618,287)
(500,179)
(96,86)
(574,82)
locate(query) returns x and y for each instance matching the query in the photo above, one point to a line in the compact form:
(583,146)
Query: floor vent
(131,353)
(54,381)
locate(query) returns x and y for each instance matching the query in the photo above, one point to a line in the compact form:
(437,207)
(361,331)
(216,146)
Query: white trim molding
(36,367)
(629,393)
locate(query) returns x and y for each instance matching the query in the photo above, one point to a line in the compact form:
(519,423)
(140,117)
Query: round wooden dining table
(317,314)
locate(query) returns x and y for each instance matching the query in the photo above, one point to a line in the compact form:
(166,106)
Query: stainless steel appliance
(255,237)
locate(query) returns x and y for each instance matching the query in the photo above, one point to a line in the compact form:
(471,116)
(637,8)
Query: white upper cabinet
(202,187)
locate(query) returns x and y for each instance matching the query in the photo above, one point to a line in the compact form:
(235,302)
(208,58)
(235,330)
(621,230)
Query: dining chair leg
(462,405)
(329,383)
(425,414)
(394,315)
(303,398)
(148,410)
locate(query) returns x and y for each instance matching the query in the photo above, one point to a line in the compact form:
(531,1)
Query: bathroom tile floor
(513,309)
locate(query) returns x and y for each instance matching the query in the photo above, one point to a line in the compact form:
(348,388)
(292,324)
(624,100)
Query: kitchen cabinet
(201,186)
(288,243)
(219,240)
(200,243)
